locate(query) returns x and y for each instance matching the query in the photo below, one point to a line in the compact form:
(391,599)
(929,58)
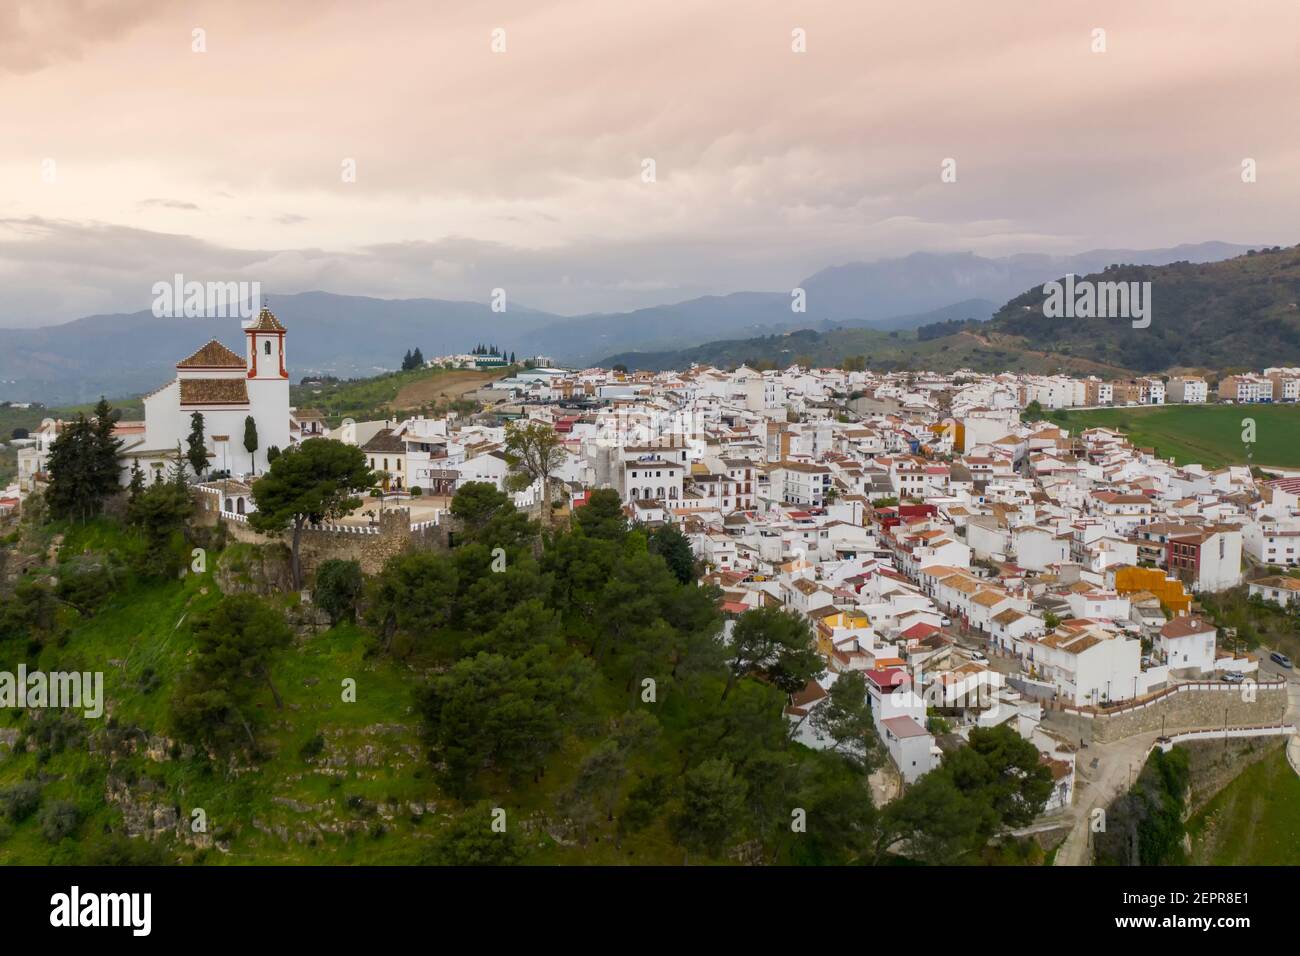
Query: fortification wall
(1204,706)
(369,546)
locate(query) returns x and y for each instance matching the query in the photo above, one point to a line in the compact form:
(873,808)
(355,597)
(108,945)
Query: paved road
(1269,669)
(1118,765)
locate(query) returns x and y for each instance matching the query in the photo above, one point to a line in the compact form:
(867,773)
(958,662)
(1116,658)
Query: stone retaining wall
(1196,709)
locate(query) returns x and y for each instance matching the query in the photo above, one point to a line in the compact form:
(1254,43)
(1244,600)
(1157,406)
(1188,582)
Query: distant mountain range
(1239,313)
(123,354)
(1242,313)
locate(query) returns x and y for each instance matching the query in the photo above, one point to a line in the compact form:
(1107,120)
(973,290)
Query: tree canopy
(83,467)
(311,482)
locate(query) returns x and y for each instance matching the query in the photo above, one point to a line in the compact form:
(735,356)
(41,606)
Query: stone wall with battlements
(368,545)
(1204,705)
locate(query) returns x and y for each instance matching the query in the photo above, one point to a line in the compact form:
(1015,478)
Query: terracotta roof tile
(212,355)
(265,322)
(214,391)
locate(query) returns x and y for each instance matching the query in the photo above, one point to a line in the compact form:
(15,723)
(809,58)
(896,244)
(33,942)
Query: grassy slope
(374,738)
(1254,821)
(1208,434)
(884,351)
(368,399)
(288,809)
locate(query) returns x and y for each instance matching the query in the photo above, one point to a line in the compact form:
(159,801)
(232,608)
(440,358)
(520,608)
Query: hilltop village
(980,565)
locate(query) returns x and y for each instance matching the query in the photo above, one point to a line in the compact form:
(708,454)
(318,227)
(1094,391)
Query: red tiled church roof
(212,355)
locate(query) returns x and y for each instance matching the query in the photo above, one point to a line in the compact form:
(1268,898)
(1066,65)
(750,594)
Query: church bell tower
(264,347)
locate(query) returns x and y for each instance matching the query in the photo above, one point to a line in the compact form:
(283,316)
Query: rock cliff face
(26,554)
(1216,763)
(261,569)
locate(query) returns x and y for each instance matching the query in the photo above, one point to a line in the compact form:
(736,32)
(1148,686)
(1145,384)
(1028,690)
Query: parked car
(1234,677)
(947,621)
(978,656)
(1280,659)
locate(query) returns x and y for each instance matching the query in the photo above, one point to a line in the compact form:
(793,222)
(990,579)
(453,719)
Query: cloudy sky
(127,156)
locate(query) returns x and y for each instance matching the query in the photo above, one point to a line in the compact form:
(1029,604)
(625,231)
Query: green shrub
(59,819)
(313,748)
(18,802)
(338,583)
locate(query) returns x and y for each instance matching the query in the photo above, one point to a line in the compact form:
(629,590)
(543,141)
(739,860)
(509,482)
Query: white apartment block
(1188,390)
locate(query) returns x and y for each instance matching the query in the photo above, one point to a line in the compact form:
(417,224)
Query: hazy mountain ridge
(123,354)
(925,281)
(1236,313)
(346,336)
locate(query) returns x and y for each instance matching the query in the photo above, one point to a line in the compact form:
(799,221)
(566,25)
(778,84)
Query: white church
(226,388)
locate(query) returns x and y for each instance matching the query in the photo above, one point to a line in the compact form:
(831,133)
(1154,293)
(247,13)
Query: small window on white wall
(266,347)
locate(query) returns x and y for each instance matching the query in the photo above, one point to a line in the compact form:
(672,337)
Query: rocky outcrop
(307,620)
(261,569)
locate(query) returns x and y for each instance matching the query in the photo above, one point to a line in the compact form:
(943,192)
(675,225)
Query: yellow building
(1169,590)
(958,431)
(832,622)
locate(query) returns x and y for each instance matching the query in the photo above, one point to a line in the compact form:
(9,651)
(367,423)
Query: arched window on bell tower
(268,361)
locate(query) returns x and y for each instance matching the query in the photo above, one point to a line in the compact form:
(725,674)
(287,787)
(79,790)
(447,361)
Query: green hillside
(431,390)
(1253,821)
(333,780)
(368,796)
(864,348)
(1238,313)
(1204,434)
(1234,314)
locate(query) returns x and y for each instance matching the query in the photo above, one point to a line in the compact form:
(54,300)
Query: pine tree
(137,483)
(107,469)
(177,476)
(198,452)
(72,492)
(83,467)
(250,439)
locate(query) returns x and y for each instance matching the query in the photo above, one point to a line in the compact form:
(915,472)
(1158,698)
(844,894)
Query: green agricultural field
(1253,821)
(1206,434)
